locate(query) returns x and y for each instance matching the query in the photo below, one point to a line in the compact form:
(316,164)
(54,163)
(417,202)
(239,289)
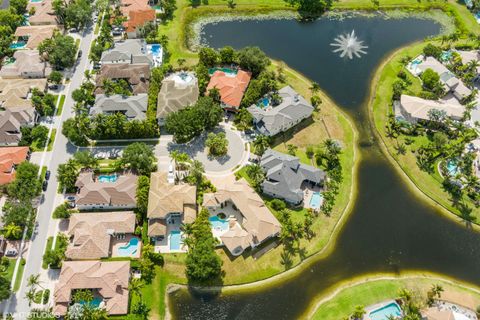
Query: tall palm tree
(30,295)
(261,143)
(34,280)
(314,88)
(256,174)
(12,231)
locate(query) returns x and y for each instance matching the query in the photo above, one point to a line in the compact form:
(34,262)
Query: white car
(11,252)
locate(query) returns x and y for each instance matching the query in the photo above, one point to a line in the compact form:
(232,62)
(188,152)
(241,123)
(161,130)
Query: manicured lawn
(60,105)
(18,280)
(47,247)
(51,140)
(429,184)
(343,303)
(11,267)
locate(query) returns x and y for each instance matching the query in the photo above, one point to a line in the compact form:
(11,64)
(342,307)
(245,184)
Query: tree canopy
(310,9)
(26,185)
(217,144)
(253,59)
(60,50)
(139,156)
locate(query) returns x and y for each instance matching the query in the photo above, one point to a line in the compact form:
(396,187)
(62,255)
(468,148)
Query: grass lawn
(372,292)
(18,280)
(60,105)
(429,184)
(11,267)
(47,247)
(51,140)
(97,25)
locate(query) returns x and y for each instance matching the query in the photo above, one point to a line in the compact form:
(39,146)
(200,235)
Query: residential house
(249,222)
(126,6)
(437,313)
(133,107)
(413,109)
(108,281)
(231,86)
(113,192)
(91,233)
(137,76)
(136,20)
(286,178)
(178,91)
(270,119)
(470,56)
(43,13)
(169,201)
(15,93)
(34,35)
(10,157)
(11,122)
(448,79)
(27,64)
(132,51)
(3,245)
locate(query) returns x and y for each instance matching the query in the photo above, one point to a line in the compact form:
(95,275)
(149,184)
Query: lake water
(389,229)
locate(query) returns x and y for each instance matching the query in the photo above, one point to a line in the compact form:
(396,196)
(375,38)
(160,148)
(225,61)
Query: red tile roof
(138,18)
(231,87)
(10,156)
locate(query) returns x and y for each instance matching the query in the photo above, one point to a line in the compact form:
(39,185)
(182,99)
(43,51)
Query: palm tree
(135,287)
(180,158)
(12,231)
(256,174)
(30,296)
(437,290)
(261,143)
(34,280)
(359,312)
(314,88)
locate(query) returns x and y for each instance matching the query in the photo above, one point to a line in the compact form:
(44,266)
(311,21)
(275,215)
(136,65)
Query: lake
(389,230)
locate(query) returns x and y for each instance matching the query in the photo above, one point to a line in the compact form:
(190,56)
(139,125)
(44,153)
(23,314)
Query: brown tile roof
(10,122)
(138,18)
(35,34)
(137,75)
(110,279)
(10,156)
(27,63)
(14,92)
(44,13)
(92,232)
(119,193)
(176,94)
(156,227)
(130,5)
(258,224)
(231,87)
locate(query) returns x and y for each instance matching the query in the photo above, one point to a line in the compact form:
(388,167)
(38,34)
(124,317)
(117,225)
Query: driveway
(213,166)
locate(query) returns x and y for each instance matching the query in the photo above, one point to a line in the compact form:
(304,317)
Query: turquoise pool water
(175,240)
(226,70)
(18,45)
(452,167)
(95,302)
(263,103)
(130,249)
(35,1)
(446,55)
(391,309)
(218,224)
(315,200)
(108,178)
(154,49)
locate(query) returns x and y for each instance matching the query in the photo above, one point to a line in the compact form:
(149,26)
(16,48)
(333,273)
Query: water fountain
(349,45)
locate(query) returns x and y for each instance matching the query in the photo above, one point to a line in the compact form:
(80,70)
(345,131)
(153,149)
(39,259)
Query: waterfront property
(383,311)
(271,119)
(136,75)
(231,86)
(179,90)
(10,157)
(131,51)
(239,217)
(413,109)
(32,36)
(288,179)
(92,233)
(138,19)
(169,206)
(133,107)
(442,310)
(26,64)
(108,281)
(106,192)
(156,50)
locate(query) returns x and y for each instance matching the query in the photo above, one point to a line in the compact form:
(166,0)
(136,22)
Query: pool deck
(377,306)
(307,196)
(117,243)
(163,246)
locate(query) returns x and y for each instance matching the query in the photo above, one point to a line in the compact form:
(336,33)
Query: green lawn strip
(43,173)
(9,272)
(429,184)
(77,43)
(375,291)
(97,25)
(18,280)
(60,105)
(51,140)
(47,247)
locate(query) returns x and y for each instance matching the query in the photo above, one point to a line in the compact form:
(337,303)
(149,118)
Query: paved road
(62,150)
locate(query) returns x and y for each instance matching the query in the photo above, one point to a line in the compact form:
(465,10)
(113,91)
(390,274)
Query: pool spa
(218,224)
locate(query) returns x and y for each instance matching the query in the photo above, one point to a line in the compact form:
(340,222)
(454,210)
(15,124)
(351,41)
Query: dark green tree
(139,156)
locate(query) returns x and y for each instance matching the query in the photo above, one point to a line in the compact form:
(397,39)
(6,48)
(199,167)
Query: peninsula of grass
(60,105)
(344,301)
(380,106)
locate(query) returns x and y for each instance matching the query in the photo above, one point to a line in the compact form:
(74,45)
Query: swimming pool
(35,1)
(18,45)
(316,200)
(175,240)
(446,55)
(391,309)
(226,70)
(95,302)
(452,167)
(157,53)
(263,103)
(108,178)
(218,224)
(130,249)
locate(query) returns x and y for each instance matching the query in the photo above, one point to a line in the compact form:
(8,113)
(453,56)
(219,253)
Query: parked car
(80,53)
(47,175)
(11,252)
(71,198)
(53,87)
(45,185)
(72,30)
